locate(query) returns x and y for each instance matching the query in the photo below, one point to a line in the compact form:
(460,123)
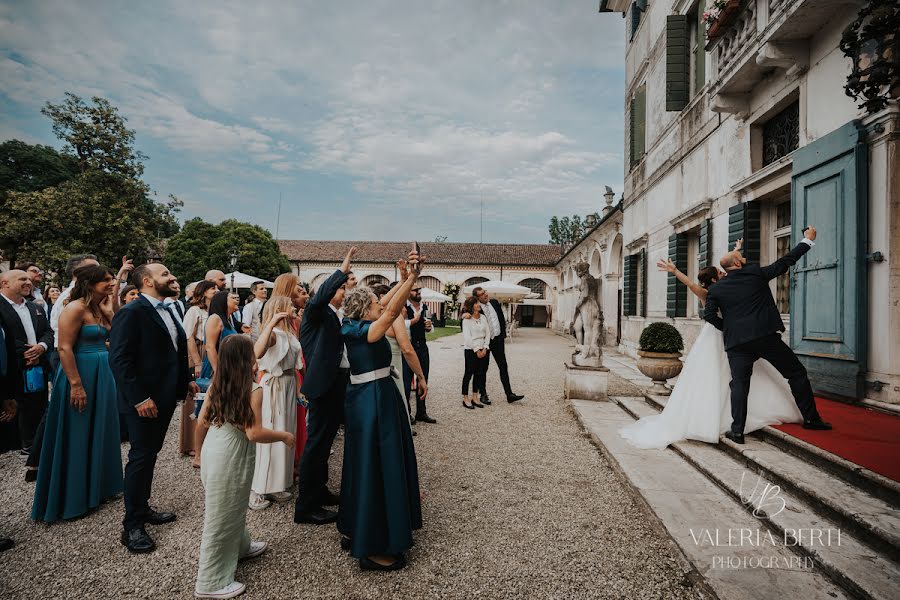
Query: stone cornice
(637,242)
(688,218)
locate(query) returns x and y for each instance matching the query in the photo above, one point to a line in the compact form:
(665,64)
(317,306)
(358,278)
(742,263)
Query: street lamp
(232,260)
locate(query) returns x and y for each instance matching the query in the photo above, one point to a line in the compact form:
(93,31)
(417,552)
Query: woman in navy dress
(380,505)
(81,459)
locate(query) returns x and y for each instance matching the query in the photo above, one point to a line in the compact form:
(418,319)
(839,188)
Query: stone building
(749,134)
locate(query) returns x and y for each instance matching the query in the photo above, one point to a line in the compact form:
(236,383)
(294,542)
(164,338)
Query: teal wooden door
(828,299)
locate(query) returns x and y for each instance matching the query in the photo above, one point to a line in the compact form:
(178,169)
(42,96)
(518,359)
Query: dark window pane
(783,284)
(783,215)
(781,135)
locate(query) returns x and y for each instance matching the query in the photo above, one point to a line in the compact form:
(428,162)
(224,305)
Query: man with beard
(148,357)
(418,324)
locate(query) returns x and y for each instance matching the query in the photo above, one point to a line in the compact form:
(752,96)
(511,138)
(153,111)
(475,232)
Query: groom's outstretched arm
(781,266)
(711,312)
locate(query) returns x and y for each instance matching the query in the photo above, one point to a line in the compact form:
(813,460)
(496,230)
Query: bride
(700,406)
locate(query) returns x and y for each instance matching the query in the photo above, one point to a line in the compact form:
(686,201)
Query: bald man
(217,277)
(28,325)
(149,360)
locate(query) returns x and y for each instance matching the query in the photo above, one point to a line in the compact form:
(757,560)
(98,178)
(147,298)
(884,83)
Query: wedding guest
(217,277)
(398,338)
(10,382)
(380,502)
(27,322)
(128,295)
(51,295)
(492,310)
(253,309)
(148,357)
(278,353)
(218,327)
(36,274)
(418,324)
(324,387)
(232,412)
(195,330)
(75,261)
(476,338)
(81,460)
(176,303)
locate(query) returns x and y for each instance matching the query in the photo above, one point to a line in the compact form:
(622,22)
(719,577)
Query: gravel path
(518,504)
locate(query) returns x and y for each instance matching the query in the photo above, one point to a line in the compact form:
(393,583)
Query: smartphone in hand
(415,248)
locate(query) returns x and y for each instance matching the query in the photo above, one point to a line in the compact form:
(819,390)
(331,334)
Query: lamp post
(232,260)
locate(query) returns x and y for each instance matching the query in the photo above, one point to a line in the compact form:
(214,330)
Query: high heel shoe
(477,404)
(469,406)
(345,543)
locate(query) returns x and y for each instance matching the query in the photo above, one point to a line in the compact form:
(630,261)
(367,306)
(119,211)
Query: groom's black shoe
(514,398)
(158,518)
(485,400)
(330,499)
(818,425)
(318,516)
(737,438)
(137,541)
(424,418)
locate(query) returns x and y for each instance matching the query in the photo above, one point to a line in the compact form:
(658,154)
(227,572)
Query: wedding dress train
(700,405)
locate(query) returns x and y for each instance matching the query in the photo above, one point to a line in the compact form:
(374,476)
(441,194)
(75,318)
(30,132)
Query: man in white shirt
(74,262)
(252,315)
(37,276)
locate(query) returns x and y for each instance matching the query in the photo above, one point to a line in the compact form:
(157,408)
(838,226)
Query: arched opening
(474,281)
(433,283)
(317,281)
(596,263)
(533,311)
(372,280)
(615,267)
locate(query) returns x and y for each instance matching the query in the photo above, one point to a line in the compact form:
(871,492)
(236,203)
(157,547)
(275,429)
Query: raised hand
(107,308)
(666,265)
(402,268)
(739,245)
(127,267)
(810,233)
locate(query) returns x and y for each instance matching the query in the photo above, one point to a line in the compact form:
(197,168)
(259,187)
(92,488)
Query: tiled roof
(523,255)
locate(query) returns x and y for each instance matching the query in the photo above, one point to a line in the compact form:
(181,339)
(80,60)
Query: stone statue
(588,326)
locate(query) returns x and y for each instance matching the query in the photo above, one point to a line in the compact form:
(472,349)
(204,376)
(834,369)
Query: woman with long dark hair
(194,324)
(476,338)
(81,461)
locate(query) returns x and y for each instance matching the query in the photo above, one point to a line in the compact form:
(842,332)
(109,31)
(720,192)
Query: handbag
(34,380)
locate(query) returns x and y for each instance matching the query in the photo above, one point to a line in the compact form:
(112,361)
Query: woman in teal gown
(380,505)
(81,458)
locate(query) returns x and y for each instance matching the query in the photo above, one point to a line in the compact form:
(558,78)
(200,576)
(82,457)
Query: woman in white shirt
(477,337)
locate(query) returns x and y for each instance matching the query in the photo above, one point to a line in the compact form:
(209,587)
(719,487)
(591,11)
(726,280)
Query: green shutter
(632,139)
(629,286)
(678,65)
(676,292)
(644,286)
(744,222)
(638,124)
(699,52)
(636,11)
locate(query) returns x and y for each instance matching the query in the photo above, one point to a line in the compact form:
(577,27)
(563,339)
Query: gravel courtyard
(518,504)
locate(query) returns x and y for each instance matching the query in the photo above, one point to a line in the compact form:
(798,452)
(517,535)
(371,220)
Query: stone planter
(659,366)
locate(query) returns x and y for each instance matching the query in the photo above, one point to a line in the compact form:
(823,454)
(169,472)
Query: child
(232,412)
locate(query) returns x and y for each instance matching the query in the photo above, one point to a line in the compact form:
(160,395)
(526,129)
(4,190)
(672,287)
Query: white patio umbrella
(242,280)
(429,295)
(503,291)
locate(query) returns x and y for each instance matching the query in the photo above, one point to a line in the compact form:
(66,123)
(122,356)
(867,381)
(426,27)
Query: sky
(375,120)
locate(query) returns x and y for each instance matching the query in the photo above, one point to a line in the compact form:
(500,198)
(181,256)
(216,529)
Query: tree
(27,168)
(566,231)
(201,246)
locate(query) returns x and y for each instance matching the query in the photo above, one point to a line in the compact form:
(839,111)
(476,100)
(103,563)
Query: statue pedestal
(586,382)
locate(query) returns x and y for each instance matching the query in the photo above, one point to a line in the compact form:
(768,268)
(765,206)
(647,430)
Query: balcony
(766,35)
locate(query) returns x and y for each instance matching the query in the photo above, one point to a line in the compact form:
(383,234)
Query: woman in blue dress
(218,327)
(380,505)
(81,458)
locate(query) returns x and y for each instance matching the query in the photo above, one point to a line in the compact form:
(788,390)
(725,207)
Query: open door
(828,300)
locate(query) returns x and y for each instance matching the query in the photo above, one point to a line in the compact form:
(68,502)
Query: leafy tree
(567,230)
(201,246)
(27,168)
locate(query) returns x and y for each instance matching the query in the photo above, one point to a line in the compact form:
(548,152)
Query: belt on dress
(374,375)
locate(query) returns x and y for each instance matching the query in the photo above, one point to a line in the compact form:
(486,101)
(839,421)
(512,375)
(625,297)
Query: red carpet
(866,437)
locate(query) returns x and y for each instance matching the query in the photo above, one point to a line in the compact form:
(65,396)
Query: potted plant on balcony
(659,352)
(720,16)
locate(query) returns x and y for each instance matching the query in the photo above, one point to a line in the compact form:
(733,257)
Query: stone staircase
(842,522)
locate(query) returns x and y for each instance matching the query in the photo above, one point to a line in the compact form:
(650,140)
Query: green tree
(201,246)
(27,168)
(566,231)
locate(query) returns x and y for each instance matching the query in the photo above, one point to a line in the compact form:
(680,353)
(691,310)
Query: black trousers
(31,409)
(325,414)
(498,350)
(425,360)
(774,350)
(146,438)
(477,368)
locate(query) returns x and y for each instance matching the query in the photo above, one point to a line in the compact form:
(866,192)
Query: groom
(752,330)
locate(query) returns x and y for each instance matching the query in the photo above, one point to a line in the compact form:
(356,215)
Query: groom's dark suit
(145,364)
(752,326)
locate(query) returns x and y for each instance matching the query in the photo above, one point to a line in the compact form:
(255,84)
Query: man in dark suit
(325,387)
(28,324)
(752,328)
(10,382)
(493,312)
(418,323)
(148,358)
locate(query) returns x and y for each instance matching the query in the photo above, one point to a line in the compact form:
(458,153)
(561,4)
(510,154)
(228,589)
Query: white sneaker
(257,501)
(279,496)
(235,588)
(256,548)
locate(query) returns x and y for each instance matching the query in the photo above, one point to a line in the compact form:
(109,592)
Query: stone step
(873,483)
(848,557)
(688,504)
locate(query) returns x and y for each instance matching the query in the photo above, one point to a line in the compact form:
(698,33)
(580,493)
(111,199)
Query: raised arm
(401,267)
(781,266)
(409,353)
(392,310)
(267,336)
(697,289)
(711,312)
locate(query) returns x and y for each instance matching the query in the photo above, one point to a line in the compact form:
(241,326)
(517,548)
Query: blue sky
(376,120)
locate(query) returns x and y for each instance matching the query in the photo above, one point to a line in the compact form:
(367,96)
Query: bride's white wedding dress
(700,405)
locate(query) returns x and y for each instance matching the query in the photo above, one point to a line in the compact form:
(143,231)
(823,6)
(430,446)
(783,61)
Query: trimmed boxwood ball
(661,337)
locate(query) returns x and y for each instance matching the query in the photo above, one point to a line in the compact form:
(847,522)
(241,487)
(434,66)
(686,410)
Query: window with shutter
(638,124)
(744,222)
(676,292)
(643,282)
(678,64)
(698,48)
(629,285)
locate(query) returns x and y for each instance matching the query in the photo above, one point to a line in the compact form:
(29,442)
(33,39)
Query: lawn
(439,332)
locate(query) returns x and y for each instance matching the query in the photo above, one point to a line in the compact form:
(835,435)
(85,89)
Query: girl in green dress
(232,413)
